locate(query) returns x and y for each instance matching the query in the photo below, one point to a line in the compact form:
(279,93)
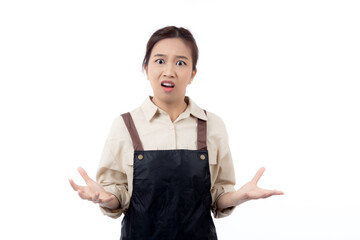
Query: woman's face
(170,70)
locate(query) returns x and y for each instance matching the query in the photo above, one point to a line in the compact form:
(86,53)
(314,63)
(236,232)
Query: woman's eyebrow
(159,55)
(183,57)
(163,55)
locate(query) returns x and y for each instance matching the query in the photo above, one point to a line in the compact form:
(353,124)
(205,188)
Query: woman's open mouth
(168,86)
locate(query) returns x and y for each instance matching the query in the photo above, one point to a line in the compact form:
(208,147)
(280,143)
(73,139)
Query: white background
(283,75)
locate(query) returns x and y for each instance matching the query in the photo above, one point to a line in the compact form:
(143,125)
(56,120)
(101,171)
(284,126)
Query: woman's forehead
(171,46)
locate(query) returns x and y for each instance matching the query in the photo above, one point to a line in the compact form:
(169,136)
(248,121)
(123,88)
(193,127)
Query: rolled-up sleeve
(221,167)
(113,171)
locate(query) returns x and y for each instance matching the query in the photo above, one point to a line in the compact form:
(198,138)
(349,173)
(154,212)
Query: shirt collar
(150,109)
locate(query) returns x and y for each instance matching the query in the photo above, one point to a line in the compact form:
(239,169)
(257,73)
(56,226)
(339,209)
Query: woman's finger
(84,175)
(95,199)
(73,185)
(258,175)
(276,192)
(269,193)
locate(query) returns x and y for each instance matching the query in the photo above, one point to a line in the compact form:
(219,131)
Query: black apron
(171,197)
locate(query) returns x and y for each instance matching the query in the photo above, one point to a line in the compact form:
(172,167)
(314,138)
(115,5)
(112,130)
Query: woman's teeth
(167,85)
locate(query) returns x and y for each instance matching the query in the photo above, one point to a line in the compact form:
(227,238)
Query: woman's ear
(193,75)
(146,71)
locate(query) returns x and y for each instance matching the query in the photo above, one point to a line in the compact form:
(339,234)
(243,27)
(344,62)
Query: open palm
(251,191)
(92,191)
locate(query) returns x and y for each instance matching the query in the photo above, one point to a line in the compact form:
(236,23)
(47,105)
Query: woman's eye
(160,61)
(180,63)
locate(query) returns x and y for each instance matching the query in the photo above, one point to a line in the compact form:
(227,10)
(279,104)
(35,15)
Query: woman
(167,164)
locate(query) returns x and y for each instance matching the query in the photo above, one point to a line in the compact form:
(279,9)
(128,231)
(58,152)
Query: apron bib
(171,197)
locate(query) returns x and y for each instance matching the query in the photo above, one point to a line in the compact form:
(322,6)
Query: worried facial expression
(170,69)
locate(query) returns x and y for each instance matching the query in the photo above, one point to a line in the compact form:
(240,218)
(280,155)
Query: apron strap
(133,132)
(201,134)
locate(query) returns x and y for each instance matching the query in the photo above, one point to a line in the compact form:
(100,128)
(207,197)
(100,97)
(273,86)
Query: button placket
(171,143)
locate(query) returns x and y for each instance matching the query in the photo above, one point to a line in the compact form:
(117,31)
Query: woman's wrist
(112,205)
(231,199)
(239,197)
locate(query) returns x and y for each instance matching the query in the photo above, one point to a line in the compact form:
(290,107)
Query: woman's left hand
(250,191)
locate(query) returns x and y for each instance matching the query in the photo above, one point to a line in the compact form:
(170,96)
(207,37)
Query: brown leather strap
(201,134)
(133,132)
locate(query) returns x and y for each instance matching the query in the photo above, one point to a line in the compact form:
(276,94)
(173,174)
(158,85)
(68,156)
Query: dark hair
(172,32)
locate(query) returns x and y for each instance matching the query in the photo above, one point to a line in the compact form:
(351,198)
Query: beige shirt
(158,132)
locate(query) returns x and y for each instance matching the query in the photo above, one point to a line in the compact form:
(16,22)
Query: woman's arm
(250,191)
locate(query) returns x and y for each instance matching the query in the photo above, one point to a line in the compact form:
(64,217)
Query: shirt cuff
(113,213)
(120,192)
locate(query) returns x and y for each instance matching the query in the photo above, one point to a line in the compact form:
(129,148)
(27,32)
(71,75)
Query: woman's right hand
(94,192)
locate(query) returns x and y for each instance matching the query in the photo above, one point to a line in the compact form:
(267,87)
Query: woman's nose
(169,71)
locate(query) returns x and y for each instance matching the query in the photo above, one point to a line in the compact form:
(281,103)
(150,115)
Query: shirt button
(202,157)
(171,127)
(140,157)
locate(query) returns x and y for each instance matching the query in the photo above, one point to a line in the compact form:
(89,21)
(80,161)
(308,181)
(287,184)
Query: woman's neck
(173,109)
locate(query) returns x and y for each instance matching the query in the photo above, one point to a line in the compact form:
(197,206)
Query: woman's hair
(172,32)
